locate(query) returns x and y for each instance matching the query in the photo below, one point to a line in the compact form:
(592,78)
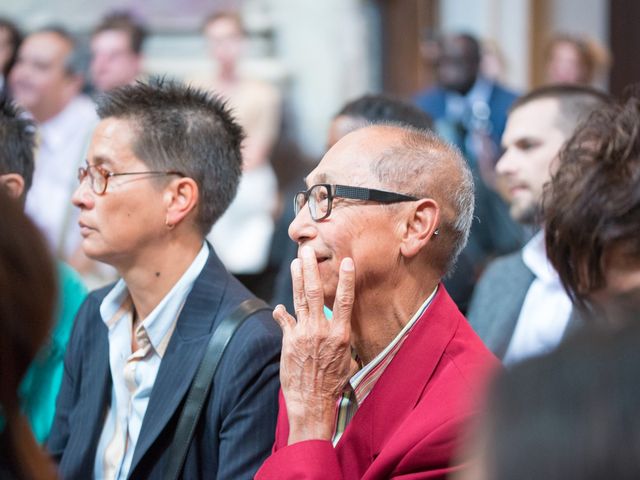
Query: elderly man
(592,214)
(116,52)
(519,307)
(387,211)
(163,164)
(47,81)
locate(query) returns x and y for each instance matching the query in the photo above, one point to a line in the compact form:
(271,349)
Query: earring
(436,232)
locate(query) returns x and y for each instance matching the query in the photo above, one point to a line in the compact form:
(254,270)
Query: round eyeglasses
(99,177)
(320,197)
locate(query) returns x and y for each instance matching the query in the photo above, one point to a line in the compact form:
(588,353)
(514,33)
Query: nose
(83,197)
(302,227)
(504,166)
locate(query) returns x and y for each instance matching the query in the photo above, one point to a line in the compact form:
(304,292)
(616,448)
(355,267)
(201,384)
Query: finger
(345,293)
(313,290)
(299,298)
(282,318)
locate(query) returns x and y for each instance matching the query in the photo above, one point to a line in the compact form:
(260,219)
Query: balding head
(417,163)
(421,164)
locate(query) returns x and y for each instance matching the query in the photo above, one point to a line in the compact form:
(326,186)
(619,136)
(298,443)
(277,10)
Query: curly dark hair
(592,203)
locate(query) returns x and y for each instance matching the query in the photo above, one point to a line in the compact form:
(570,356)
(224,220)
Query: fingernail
(347,264)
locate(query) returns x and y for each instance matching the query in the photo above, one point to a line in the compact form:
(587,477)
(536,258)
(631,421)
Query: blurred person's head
(592,211)
(225,36)
(163,165)
(27,300)
(570,414)
(48,72)
(16,150)
(457,62)
(573,59)
(376,109)
(10,38)
(116,51)
(538,125)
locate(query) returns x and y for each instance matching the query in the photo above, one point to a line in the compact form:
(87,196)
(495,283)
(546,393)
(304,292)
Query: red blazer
(409,424)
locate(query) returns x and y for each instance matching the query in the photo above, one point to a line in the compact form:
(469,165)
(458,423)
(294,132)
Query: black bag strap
(202,381)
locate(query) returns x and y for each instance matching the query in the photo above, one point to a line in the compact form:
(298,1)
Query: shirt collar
(364,372)
(161,321)
(534,256)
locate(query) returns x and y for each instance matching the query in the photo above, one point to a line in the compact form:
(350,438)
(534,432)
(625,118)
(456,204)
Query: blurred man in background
(47,81)
(519,306)
(116,51)
(470,111)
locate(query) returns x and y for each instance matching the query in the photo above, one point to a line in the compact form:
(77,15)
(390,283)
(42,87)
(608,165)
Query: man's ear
(421,225)
(180,198)
(13,184)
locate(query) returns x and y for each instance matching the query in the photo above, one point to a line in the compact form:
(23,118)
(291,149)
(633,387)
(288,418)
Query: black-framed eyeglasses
(320,198)
(99,177)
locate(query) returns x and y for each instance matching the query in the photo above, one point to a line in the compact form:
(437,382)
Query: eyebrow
(319,178)
(101,160)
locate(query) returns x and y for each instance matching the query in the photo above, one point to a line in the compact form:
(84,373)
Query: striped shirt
(361,384)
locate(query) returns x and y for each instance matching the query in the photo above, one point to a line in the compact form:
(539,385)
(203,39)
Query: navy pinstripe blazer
(236,430)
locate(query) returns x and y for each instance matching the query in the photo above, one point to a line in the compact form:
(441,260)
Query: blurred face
(225,41)
(130,216)
(565,65)
(39,80)
(531,143)
(113,62)
(365,231)
(456,66)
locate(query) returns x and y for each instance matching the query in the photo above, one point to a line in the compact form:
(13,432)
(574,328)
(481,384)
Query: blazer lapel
(401,385)
(505,318)
(184,353)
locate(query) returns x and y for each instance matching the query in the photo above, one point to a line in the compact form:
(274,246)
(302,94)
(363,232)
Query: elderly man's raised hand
(316,359)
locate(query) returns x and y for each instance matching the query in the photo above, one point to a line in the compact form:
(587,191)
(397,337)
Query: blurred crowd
(526,217)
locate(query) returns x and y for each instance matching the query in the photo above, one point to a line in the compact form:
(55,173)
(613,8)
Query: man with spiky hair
(163,165)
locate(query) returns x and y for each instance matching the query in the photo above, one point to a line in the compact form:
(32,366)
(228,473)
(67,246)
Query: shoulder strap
(202,383)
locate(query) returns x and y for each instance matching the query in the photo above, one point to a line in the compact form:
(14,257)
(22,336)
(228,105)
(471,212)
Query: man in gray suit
(519,307)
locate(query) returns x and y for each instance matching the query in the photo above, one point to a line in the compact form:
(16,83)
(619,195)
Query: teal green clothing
(40,385)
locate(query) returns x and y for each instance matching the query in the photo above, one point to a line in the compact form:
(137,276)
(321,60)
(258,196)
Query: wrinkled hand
(316,354)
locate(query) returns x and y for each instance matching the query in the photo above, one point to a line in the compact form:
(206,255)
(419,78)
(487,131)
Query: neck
(44,114)
(380,314)
(154,272)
